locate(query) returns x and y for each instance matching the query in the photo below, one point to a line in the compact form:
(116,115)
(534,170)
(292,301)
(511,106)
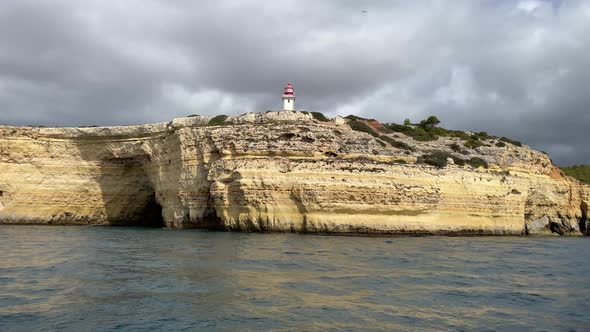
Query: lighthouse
(288,98)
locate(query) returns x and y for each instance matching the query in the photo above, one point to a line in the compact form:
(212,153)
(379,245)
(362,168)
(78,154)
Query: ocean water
(131,279)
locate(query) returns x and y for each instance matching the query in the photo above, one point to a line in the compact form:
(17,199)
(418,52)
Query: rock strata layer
(278,171)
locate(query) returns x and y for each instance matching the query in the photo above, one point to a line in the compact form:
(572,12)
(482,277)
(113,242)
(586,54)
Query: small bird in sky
(364,11)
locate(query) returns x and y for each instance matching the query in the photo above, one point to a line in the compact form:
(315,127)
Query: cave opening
(210,220)
(150,215)
(129,195)
(584,222)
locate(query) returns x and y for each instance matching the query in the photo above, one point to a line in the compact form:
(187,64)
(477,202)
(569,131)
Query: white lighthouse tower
(288,98)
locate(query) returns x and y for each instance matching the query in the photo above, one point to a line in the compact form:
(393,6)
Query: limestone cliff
(279,171)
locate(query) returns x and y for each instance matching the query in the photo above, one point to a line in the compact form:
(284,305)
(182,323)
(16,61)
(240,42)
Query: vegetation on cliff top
(508,140)
(217,120)
(362,127)
(318,116)
(396,143)
(580,172)
(427,130)
(438,159)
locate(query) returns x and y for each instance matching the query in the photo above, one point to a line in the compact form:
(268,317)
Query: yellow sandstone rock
(278,171)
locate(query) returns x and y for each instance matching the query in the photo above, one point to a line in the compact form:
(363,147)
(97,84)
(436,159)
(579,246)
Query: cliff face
(280,171)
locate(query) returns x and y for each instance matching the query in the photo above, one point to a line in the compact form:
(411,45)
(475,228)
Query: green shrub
(457,148)
(438,159)
(419,134)
(508,140)
(472,144)
(431,121)
(400,161)
(192,116)
(458,161)
(422,134)
(500,144)
(354,117)
(396,144)
(428,131)
(477,162)
(385,130)
(436,131)
(381,142)
(459,134)
(319,116)
(217,120)
(397,127)
(482,135)
(580,172)
(362,127)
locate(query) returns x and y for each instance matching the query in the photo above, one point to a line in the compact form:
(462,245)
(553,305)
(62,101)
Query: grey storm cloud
(513,68)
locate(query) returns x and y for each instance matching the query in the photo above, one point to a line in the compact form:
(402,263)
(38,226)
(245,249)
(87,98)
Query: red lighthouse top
(289,90)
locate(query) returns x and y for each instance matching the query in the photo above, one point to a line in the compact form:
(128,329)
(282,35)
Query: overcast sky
(514,68)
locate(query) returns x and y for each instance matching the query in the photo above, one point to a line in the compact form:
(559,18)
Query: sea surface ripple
(130,279)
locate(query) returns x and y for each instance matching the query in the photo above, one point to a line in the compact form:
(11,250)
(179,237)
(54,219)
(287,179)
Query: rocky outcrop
(278,171)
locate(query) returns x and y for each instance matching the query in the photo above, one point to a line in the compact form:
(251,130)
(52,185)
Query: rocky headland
(286,172)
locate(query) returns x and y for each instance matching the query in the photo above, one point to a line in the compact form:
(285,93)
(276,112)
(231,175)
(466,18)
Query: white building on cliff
(289,98)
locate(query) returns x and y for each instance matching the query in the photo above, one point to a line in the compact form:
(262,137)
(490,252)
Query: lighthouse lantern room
(288,98)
